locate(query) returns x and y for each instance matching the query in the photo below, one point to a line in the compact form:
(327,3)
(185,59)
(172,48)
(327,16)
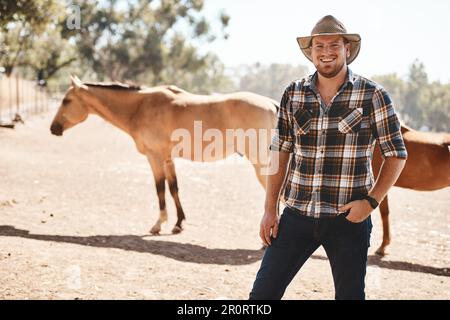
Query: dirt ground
(75,215)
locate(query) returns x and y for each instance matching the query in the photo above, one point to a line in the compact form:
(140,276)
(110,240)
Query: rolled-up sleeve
(282,140)
(386,126)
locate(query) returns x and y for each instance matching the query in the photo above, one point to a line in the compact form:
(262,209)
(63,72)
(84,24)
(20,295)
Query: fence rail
(20,99)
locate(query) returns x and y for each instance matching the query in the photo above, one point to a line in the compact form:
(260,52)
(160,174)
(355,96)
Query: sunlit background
(212,46)
(394,33)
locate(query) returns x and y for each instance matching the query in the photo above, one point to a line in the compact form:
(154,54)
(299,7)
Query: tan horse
(151,116)
(427,168)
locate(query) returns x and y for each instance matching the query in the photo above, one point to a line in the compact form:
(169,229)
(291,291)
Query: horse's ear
(76,82)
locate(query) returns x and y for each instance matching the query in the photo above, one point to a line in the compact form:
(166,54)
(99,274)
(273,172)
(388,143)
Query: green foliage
(436,106)
(13,44)
(36,13)
(51,52)
(21,24)
(129,42)
(269,80)
(422,105)
(396,88)
(208,77)
(143,41)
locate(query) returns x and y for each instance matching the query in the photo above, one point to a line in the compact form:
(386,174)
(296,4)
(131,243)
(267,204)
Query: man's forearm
(389,173)
(275,180)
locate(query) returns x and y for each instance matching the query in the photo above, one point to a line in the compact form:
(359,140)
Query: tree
(396,88)
(13,44)
(19,20)
(436,107)
(269,80)
(414,96)
(143,37)
(423,105)
(209,77)
(49,53)
(37,13)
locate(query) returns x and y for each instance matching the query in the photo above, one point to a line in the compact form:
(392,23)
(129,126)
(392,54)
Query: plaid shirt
(332,145)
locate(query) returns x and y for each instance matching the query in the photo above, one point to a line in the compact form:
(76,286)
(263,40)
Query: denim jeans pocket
(351,230)
(350,222)
(343,217)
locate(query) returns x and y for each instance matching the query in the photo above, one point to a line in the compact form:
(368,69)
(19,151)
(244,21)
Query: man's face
(329,54)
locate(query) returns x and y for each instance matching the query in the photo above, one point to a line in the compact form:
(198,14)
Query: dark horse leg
(157,165)
(169,169)
(384,210)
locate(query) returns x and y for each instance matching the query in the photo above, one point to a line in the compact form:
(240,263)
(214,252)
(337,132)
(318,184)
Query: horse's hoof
(381,252)
(155,231)
(176,229)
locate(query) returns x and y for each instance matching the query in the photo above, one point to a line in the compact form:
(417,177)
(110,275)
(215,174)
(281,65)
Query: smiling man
(327,127)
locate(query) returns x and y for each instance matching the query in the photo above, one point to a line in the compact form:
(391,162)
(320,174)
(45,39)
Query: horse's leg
(157,166)
(384,210)
(169,169)
(258,159)
(259,174)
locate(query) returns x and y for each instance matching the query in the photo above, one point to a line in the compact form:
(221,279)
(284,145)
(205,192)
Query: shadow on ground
(194,253)
(179,251)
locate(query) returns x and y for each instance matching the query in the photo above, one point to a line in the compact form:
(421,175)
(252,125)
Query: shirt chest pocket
(302,119)
(351,121)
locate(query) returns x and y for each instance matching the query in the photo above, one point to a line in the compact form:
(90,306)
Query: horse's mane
(175,89)
(114,85)
(125,86)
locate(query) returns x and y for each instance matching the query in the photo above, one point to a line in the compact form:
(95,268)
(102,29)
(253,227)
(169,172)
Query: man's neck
(332,84)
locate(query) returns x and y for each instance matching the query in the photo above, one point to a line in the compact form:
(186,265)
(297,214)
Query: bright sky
(394,32)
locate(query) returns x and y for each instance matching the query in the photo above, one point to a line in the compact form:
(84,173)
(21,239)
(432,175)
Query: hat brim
(354,39)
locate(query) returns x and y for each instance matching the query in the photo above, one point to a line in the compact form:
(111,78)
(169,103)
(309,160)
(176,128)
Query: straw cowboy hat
(330,26)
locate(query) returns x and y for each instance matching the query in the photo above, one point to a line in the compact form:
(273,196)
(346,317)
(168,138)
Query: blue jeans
(346,245)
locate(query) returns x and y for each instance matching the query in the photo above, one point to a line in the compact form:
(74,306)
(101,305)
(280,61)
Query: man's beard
(332,73)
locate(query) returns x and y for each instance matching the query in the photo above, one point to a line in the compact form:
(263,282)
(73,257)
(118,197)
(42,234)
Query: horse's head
(72,110)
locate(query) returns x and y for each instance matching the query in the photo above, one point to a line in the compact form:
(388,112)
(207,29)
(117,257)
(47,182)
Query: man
(329,123)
